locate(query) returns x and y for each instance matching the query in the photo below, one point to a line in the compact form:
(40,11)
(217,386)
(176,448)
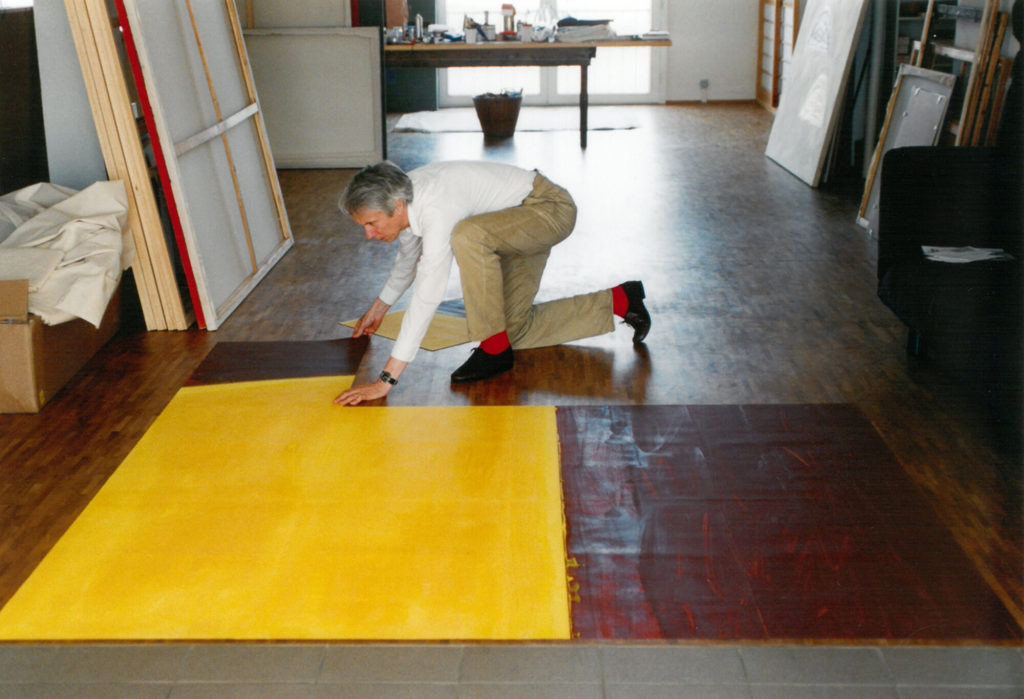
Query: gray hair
(375,188)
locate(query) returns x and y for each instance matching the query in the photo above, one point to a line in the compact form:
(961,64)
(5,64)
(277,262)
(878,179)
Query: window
(619,75)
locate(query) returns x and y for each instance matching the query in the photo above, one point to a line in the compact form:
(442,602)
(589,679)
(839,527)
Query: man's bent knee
(466,234)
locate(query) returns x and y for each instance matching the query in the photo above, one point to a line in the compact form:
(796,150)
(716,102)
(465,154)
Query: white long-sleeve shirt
(443,194)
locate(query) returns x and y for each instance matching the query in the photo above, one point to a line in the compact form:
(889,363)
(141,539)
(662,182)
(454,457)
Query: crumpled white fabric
(85,228)
(21,205)
(34,264)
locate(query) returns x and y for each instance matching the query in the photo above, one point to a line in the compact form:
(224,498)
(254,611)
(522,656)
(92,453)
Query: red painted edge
(161,163)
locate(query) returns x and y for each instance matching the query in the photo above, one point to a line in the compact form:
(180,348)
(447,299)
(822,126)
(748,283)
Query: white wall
(714,40)
(72,146)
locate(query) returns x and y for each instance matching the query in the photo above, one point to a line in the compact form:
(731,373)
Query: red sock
(496,344)
(620,304)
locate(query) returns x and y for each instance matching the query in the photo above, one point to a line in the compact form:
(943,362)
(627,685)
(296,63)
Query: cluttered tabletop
(533,30)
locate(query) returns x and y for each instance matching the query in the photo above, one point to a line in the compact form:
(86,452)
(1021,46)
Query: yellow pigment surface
(262,511)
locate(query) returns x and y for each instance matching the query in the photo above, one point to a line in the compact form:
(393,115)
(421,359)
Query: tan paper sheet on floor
(444,331)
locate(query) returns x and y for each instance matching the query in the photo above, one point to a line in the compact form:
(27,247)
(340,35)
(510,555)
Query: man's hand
(371,320)
(364,392)
(372,391)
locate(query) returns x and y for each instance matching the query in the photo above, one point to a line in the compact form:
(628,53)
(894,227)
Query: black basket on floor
(498,113)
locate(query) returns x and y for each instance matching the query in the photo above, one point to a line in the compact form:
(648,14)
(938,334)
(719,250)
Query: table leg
(584,101)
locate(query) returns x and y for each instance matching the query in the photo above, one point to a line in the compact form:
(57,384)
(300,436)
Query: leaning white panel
(916,113)
(815,82)
(295,13)
(208,121)
(320,92)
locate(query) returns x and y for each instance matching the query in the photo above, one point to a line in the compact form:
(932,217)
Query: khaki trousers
(501,257)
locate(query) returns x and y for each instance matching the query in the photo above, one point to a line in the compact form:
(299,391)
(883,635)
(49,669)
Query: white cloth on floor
(85,228)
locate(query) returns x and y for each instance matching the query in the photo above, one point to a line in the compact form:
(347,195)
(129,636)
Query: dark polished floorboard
(761,288)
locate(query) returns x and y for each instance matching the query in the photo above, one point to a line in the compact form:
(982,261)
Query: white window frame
(549,94)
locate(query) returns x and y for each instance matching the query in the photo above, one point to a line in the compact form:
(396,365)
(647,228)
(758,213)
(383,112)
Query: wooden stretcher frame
(1003,75)
(985,70)
(111,106)
(223,184)
(975,83)
(983,112)
(907,124)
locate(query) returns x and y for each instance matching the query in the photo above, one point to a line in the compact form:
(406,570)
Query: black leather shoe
(636,316)
(481,365)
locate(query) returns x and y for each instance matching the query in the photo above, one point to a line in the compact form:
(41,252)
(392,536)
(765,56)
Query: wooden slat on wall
(775,38)
(972,95)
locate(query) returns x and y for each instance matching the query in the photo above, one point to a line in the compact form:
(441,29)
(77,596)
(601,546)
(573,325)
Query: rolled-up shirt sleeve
(403,271)
(431,280)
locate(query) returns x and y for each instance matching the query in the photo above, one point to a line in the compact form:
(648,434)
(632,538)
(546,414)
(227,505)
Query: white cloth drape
(69,245)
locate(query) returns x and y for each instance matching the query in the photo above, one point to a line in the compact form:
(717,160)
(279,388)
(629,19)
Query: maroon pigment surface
(759,522)
(231,362)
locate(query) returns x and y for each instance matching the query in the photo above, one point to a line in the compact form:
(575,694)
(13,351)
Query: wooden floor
(762,290)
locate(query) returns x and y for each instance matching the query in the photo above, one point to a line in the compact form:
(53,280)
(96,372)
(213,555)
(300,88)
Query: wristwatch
(386,377)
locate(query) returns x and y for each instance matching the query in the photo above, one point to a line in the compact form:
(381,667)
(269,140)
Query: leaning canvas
(813,90)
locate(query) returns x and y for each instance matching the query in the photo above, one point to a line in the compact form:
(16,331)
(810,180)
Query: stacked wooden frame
(980,110)
(196,92)
(111,105)
(987,72)
(989,78)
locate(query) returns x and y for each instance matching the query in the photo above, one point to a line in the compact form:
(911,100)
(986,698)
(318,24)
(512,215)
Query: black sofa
(965,319)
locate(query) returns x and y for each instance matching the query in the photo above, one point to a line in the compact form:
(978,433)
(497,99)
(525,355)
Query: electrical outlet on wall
(704,84)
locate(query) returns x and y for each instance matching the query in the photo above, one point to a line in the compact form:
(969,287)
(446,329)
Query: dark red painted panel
(230,362)
(758,522)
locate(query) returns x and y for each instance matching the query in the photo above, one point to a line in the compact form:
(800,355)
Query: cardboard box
(36,359)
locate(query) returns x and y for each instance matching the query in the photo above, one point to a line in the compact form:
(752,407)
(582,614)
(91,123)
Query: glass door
(620,75)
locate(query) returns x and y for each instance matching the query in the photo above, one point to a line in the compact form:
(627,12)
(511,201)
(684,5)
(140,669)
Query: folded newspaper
(581,34)
(964,254)
(573,30)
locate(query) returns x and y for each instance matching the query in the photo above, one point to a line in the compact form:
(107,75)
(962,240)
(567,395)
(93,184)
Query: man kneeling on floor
(500,223)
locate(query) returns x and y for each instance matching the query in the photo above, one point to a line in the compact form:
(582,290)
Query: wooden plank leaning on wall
(93,35)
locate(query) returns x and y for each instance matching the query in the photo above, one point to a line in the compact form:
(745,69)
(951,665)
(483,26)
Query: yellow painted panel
(262,511)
